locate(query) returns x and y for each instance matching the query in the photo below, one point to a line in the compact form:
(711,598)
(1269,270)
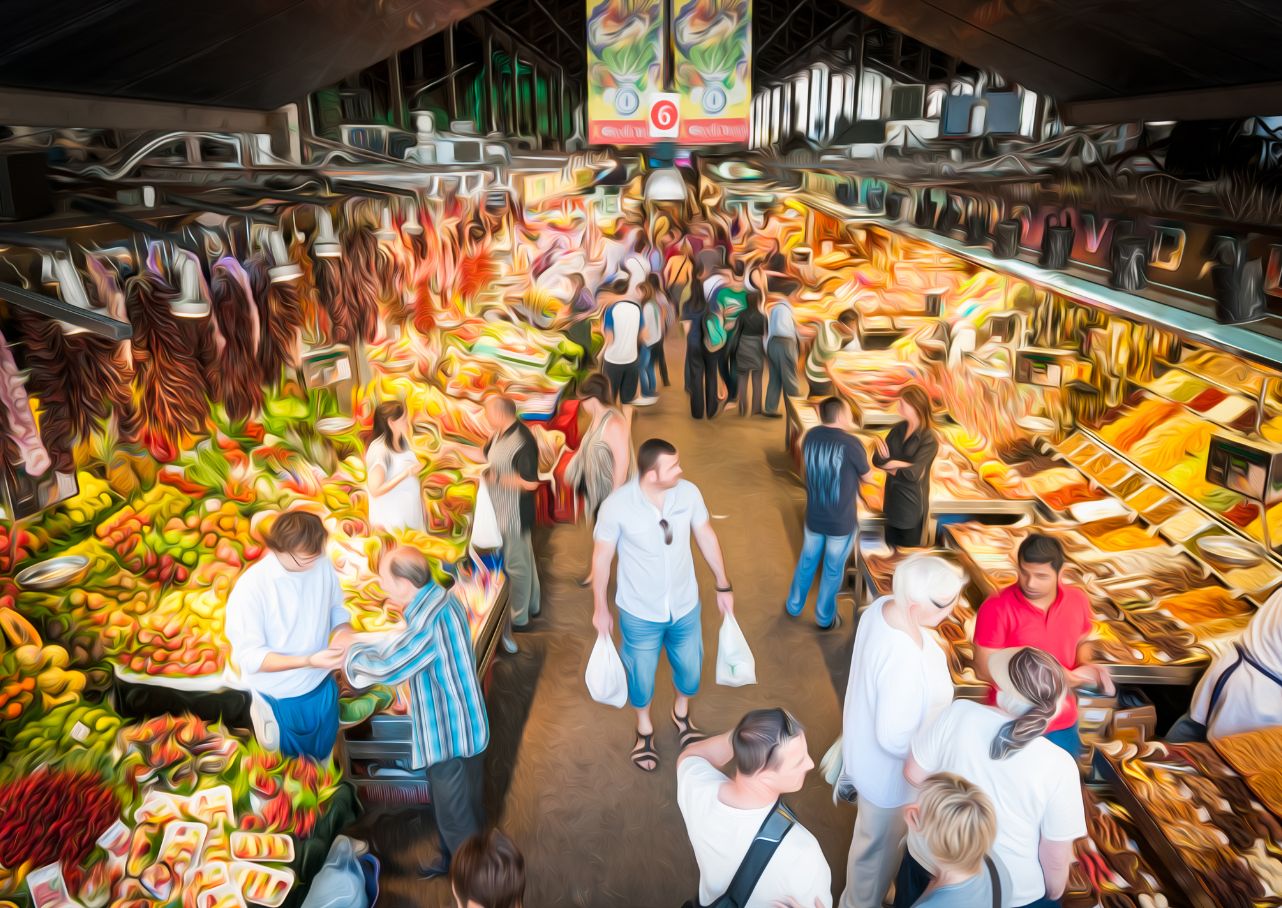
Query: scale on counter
(1253,469)
(330,369)
(1008,328)
(1046,367)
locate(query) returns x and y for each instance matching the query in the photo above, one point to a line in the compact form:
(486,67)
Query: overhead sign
(665,115)
(625,62)
(712,59)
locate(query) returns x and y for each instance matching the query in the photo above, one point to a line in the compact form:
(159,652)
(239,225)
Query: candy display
(1219,835)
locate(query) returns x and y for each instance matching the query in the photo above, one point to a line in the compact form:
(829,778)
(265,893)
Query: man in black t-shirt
(835,462)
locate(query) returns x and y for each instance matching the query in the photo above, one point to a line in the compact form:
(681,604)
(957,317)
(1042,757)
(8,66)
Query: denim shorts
(642,641)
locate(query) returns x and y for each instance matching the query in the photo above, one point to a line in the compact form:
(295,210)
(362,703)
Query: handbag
(764,845)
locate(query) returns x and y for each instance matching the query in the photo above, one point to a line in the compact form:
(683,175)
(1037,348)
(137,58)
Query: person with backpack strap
(751,851)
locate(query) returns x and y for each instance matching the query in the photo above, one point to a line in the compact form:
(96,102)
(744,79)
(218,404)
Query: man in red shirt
(1040,611)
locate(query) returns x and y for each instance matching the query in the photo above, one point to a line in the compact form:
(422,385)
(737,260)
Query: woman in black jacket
(907,455)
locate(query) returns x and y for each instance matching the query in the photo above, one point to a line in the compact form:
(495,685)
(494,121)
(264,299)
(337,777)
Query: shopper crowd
(957,803)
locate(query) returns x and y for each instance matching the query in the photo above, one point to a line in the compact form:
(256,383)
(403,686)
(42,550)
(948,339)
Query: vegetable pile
(52,815)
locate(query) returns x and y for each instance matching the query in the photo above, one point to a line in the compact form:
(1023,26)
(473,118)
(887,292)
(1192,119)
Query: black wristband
(728,589)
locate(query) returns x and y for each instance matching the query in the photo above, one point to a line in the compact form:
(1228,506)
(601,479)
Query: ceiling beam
(57,110)
(1240,101)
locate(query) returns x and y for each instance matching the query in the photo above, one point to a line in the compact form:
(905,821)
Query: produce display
(1219,834)
(1257,757)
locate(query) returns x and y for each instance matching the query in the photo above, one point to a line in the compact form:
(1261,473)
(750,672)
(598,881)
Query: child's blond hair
(957,821)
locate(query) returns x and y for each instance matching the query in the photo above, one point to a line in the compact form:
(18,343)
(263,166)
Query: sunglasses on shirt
(667,532)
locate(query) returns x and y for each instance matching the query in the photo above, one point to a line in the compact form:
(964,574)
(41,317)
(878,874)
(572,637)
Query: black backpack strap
(763,848)
(997,881)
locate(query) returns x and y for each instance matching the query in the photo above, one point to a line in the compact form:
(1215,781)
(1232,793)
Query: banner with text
(625,65)
(712,60)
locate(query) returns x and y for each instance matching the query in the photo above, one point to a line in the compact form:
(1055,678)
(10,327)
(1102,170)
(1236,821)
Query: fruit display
(175,753)
(1257,757)
(51,815)
(61,525)
(37,679)
(289,792)
(79,734)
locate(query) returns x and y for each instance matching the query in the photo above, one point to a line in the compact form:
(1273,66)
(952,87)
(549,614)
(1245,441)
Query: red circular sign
(663,115)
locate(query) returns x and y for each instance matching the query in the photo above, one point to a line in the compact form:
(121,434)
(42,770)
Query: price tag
(665,115)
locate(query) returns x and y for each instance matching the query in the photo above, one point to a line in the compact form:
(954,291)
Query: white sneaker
(644,401)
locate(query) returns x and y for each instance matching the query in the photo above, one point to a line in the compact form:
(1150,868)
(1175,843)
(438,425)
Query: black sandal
(686,730)
(643,752)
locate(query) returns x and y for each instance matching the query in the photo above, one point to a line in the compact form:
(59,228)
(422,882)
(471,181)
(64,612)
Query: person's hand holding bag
(735,665)
(606,679)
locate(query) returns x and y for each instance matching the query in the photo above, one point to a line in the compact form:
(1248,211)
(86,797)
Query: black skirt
(906,537)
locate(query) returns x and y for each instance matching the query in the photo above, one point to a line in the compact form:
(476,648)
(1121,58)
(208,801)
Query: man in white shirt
(723,814)
(648,522)
(288,632)
(621,353)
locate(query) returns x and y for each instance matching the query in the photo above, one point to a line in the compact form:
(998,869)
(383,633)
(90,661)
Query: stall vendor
(831,337)
(1242,690)
(907,455)
(432,652)
(1041,612)
(288,632)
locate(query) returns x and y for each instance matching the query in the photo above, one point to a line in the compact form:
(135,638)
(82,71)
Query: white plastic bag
(340,883)
(735,665)
(607,682)
(485,522)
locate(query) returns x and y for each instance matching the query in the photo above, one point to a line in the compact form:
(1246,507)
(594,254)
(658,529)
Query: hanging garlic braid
(1038,678)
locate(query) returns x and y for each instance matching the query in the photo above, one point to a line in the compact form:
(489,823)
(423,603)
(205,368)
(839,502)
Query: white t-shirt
(625,321)
(656,581)
(272,610)
(1036,791)
(720,836)
(401,506)
(651,323)
(896,690)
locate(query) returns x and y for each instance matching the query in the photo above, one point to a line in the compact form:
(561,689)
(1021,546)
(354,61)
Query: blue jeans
(648,386)
(642,641)
(835,552)
(1067,739)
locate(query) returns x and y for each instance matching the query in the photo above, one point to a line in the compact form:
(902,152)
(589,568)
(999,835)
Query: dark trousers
(624,379)
(457,805)
(753,376)
(659,361)
(781,359)
(913,879)
(725,367)
(702,370)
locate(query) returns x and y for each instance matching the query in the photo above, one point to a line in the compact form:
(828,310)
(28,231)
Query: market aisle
(595,830)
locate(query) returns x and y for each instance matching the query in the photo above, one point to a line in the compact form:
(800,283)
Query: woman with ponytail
(1034,786)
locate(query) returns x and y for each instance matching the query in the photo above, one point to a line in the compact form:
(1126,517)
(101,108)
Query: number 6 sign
(665,116)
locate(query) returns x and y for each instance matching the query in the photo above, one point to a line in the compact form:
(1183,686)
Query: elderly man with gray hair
(432,653)
(899,684)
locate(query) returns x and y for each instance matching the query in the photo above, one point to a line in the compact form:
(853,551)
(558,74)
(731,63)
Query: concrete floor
(596,831)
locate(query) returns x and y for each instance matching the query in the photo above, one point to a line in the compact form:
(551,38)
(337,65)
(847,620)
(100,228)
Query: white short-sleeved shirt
(656,581)
(1036,791)
(273,610)
(896,690)
(720,836)
(624,319)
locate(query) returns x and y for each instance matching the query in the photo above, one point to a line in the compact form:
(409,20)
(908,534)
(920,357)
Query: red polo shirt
(1007,619)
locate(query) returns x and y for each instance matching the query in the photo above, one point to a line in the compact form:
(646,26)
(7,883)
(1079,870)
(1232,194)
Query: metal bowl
(1228,550)
(334,425)
(54,573)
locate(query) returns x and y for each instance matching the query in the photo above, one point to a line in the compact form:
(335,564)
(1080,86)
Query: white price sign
(665,115)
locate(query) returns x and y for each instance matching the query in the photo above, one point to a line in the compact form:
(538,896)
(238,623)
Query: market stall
(254,399)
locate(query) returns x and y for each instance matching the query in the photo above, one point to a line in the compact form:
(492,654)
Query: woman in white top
(899,683)
(392,468)
(1034,786)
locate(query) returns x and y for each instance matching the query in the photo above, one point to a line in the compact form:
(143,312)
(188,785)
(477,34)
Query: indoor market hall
(560,779)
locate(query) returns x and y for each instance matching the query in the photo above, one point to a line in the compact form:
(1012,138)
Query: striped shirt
(434,654)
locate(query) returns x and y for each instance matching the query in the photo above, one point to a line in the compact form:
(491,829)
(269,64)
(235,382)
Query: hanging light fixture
(326,245)
(282,269)
(386,233)
(413,225)
(193,296)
